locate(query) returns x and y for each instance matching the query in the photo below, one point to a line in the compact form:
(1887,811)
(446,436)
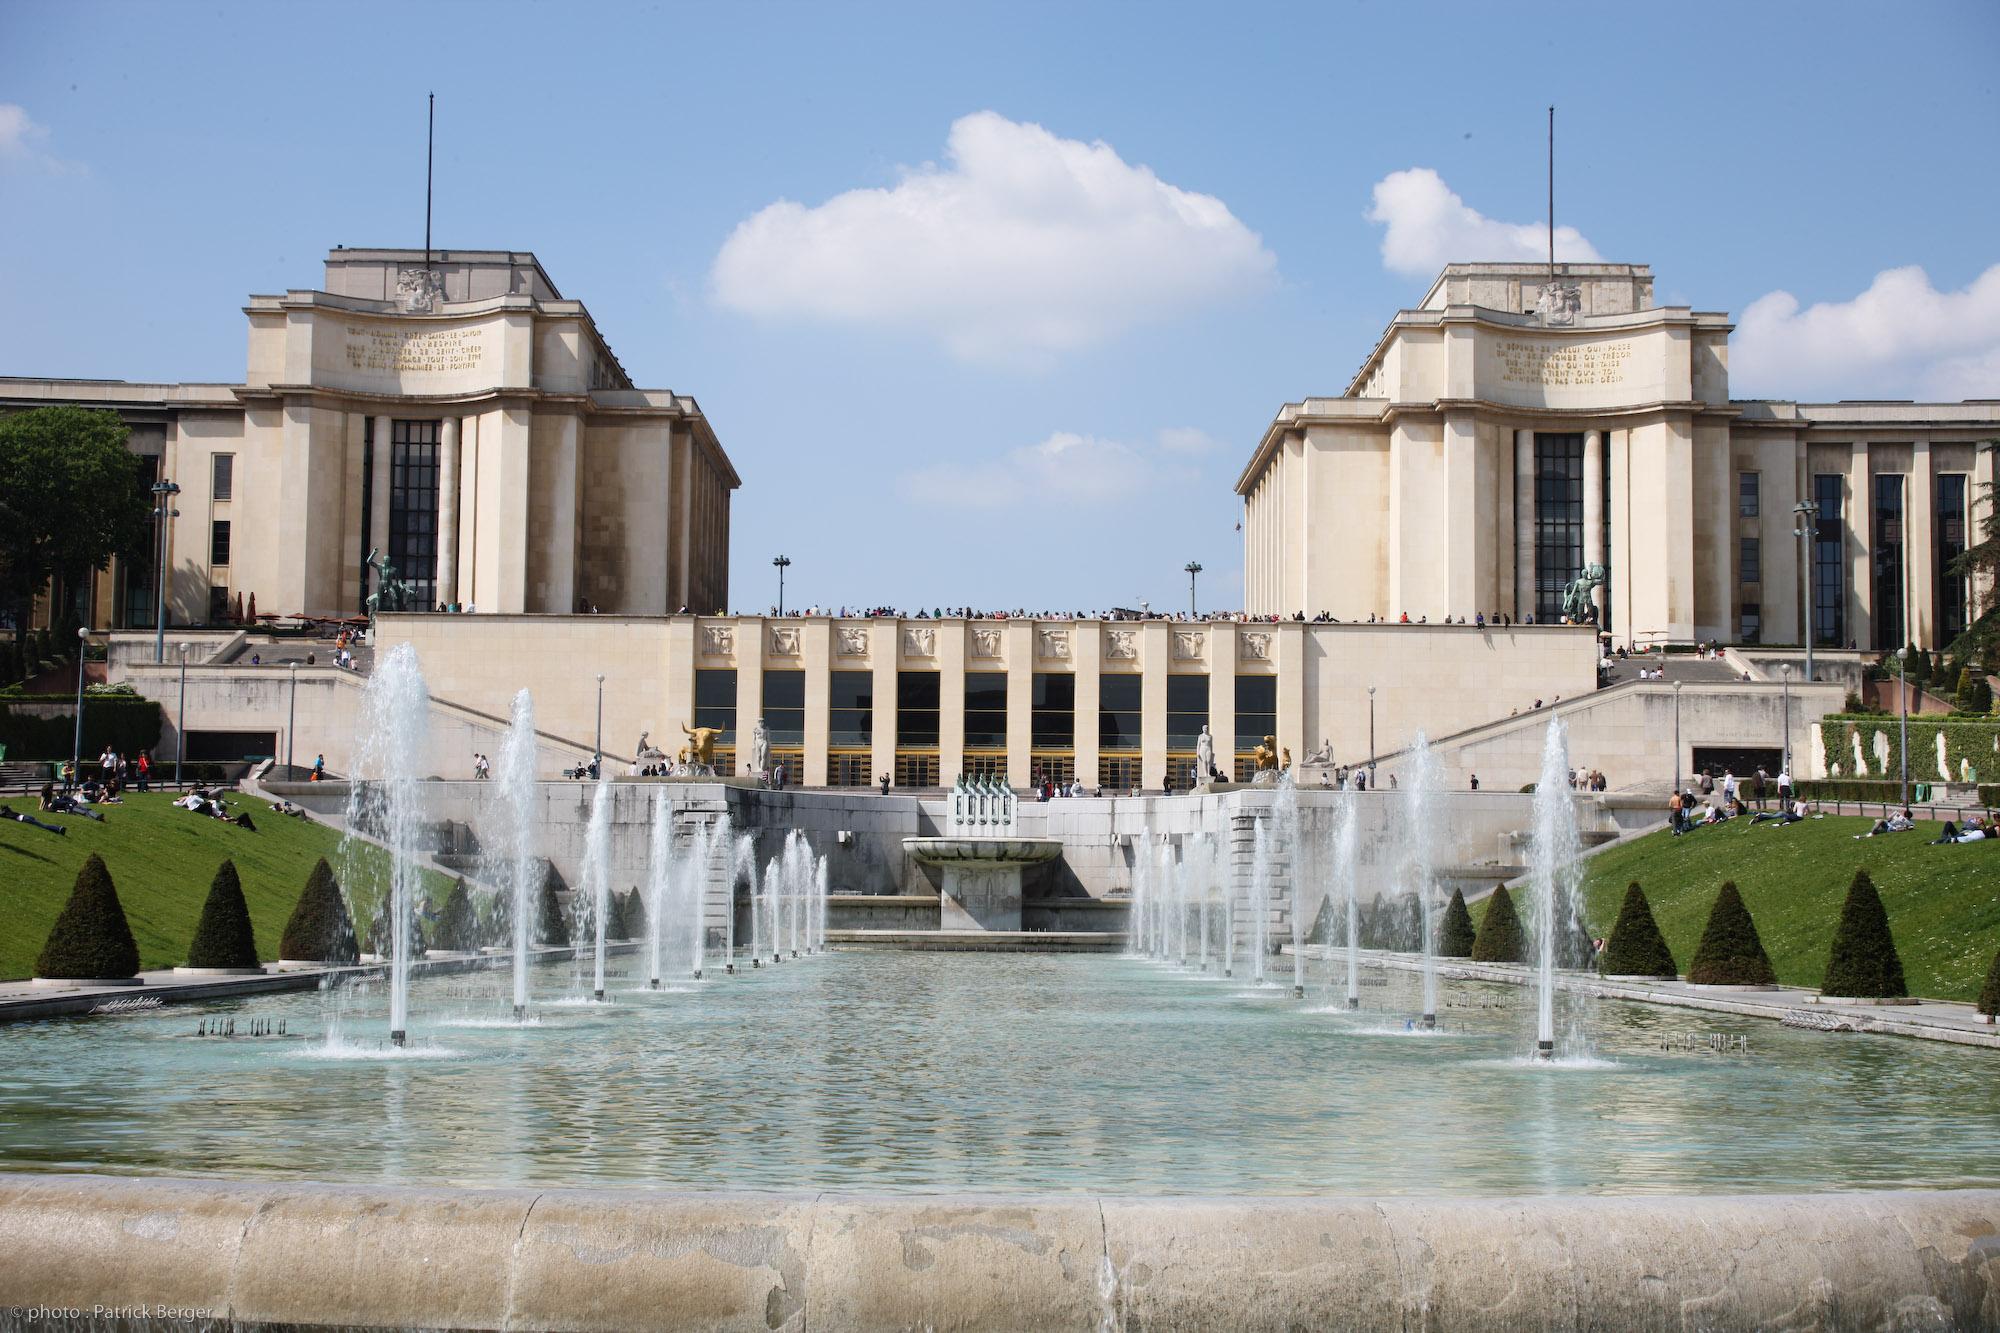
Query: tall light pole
(1677,736)
(180,719)
(1903,744)
(164,492)
(76,754)
(783,562)
(1371,738)
(1785,672)
(597,754)
(1193,567)
(1807,514)
(291,719)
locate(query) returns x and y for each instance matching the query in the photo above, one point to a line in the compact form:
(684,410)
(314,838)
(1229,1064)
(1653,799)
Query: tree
(614,915)
(91,940)
(1499,939)
(1989,994)
(1455,932)
(1979,564)
(552,931)
(224,938)
(458,925)
(1864,963)
(635,916)
(71,497)
(1730,953)
(1974,694)
(320,930)
(1636,947)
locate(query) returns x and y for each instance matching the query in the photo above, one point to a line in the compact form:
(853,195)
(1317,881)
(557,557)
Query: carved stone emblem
(718,640)
(919,641)
(785,640)
(986,643)
(851,641)
(1052,642)
(419,290)
(1256,647)
(1121,644)
(1559,304)
(1187,645)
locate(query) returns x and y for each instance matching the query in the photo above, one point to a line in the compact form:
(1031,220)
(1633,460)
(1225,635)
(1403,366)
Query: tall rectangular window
(1751,628)
(413,503)
(851,709)
(1750,560)
(1889,591)
(917,696)
(1746,494)
(715,702)
(785,707)
(222,475)
(1053,723)
(985,710)
(218,543)
(1118,713)
(1187,710)
(1829,580)
(1558,520)
(1949,525)
(1256,711)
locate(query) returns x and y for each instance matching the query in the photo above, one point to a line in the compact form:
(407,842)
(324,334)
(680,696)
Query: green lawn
(1943,902)
(162,860)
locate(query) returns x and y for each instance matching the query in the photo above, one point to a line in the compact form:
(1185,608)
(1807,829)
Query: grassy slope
(1943,902)
(162,860)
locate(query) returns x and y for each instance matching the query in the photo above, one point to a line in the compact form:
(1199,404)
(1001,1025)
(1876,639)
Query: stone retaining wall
(265,1255)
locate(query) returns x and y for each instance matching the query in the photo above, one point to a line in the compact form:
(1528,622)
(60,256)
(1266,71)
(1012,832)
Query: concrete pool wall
(79,1249)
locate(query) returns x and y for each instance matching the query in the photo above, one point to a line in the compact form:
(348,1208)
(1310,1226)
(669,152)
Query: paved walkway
(1930,1020)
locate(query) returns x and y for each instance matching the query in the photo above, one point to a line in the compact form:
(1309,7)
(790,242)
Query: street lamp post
(783,562)
(164,492)
(1371,738)
(76,753)
(1807,513)
(1677,736)
(1193,567)
(180,719)
(1903,743)
(291,718)
(1785,674)
(597,752)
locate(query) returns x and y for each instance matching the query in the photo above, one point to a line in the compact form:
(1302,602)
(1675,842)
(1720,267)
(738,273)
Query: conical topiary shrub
(1989,994)
(1499,939)
(1730,954)
(1863,963)
(1455,932)
(552,929)
(634,914)
(1636,947)
(320,930)
(614,915)
(458,925)
(91,940)
(223,938)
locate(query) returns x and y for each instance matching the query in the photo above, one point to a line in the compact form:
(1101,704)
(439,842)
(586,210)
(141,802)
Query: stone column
(447,528)
(1920,547)
(1524,523)
(1593,509)
(1859,522)
(1154,646)
(560,590)
(466,593)
(816,656)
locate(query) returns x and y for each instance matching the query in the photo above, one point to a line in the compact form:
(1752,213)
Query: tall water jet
(799,858)
(1139,943)
(385,801)
(1204,865)
(1260,898)
(597,876)
(1553,870)
(743,863)
(1422,781)
(756,903)
(659,879)
(514,788)
(821,878)
(1287,838)
(1346,845)
(710,840)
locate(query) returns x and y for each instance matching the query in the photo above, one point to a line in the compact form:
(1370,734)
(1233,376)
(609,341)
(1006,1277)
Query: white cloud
(1024,245)
(1064,469)
(1429,227)
(1901,338)
(22,143)
(1187,440)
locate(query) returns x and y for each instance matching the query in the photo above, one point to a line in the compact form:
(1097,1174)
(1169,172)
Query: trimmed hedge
(1499,939)
(91,940)
(458,926)
(223,937)
(552,927)
(1863,963)
(127,725)
(320,930)
(1636,947)
(1968,739)
(1456,933)
(635,916)
(1989,994)
(1730,953)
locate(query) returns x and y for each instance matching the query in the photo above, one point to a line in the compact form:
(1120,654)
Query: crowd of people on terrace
(1478,620)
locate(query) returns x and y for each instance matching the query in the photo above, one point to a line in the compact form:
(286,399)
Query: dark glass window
(916,714)
(1888,558)
(1054,717)
(1558,520)
(1750,558)
(1752,626)
(851,709)
(1256,711)
(985,710)
(1187,710)
(413,504)
(1119,710)
(785,706)
(1829,582)
(222,473)
(1950,528)
(715,702)
(1746,494)
(218,543)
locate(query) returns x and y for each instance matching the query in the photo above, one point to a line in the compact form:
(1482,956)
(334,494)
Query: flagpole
(430,146)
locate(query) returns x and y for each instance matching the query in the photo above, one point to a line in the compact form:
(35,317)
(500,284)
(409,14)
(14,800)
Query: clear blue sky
(1028,373)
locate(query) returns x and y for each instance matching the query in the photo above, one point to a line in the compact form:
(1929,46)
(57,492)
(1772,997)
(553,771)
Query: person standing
(1475,782)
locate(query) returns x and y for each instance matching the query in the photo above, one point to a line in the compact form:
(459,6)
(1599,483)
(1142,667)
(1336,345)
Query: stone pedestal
(982,877)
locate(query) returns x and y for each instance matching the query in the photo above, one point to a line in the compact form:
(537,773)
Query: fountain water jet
(1260,899)
(1423,779)
(1553,870)
(1287,839)
(1346,833)
(385,800)
(514,783)
(597,876)
(659,877)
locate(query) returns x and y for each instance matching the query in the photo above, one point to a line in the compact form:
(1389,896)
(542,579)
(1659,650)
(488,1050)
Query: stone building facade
(461,417)
(1512,430)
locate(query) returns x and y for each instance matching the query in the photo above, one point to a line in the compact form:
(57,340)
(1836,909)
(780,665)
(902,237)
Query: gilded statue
(1267,754)
(701,744)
